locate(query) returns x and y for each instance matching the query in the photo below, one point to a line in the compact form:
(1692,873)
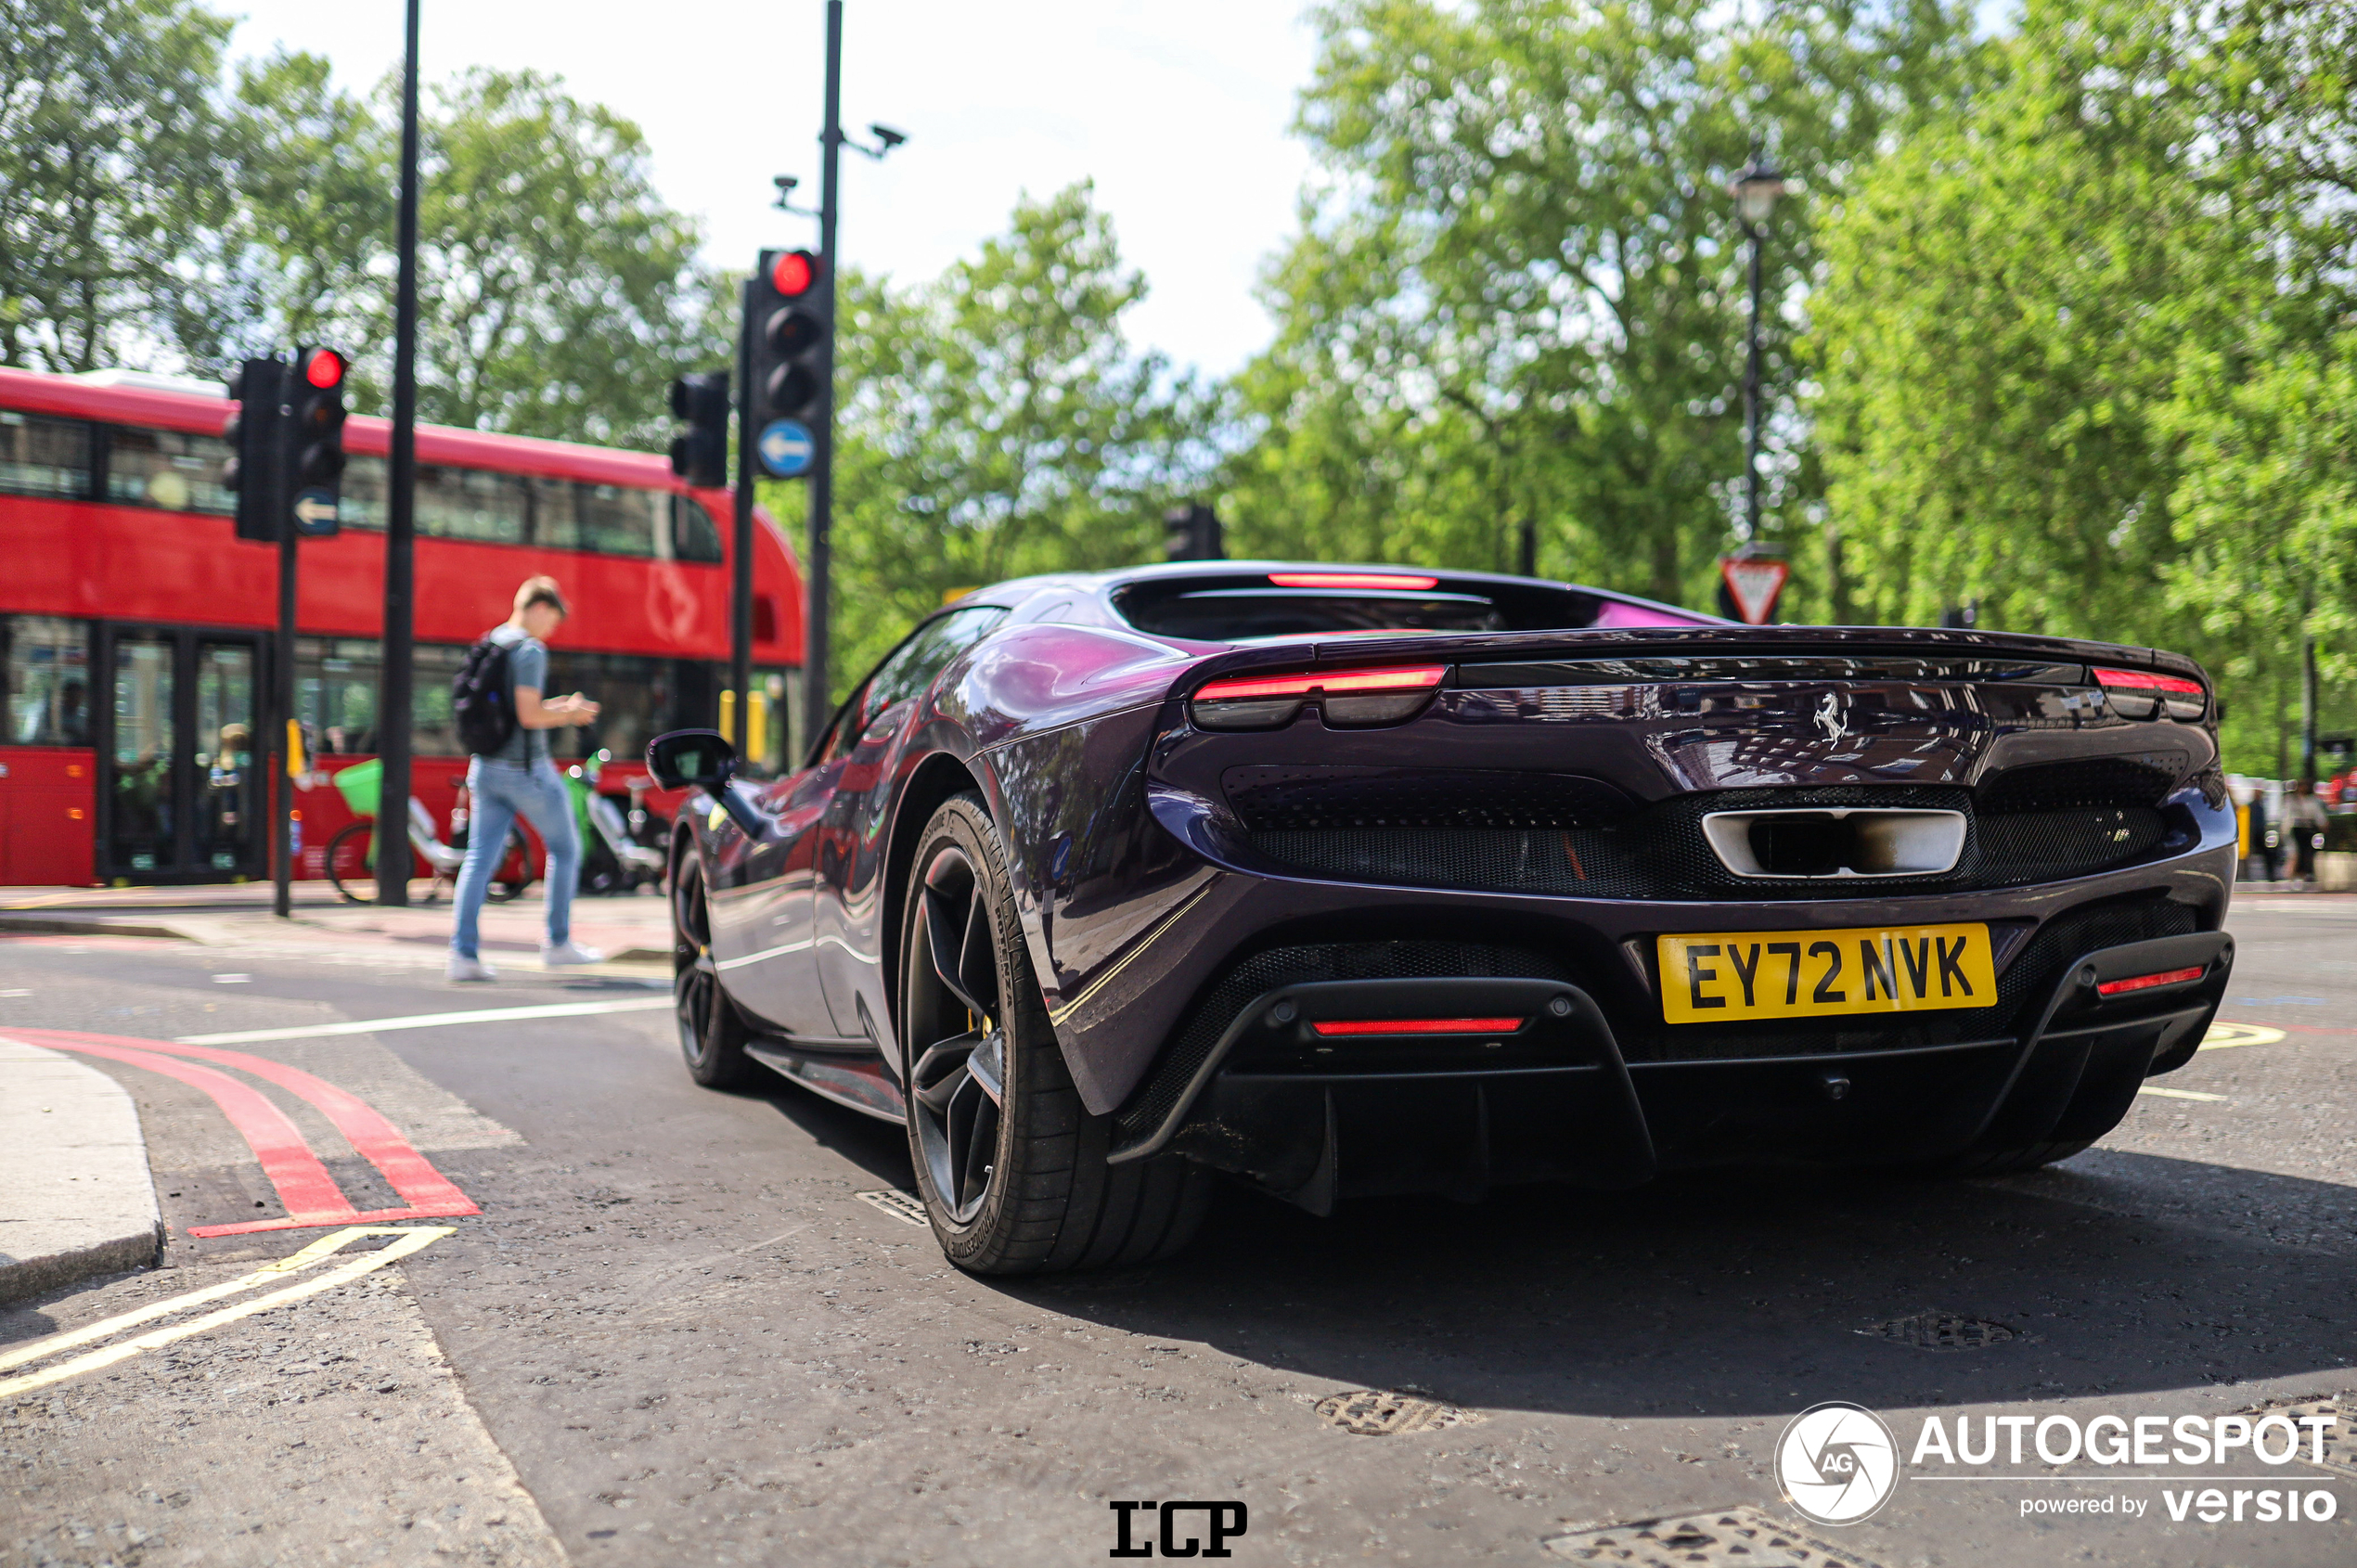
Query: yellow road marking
(406,1240)
(2223,1035)
(2178,1094)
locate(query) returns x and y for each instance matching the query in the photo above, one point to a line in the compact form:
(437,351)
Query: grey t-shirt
(527,666)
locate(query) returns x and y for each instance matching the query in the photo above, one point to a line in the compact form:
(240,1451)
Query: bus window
(555,518)
(168,468)
(48,663)
(693,537)
(471,504)
(42,457)
(361,494)
(336,692)
(618,521)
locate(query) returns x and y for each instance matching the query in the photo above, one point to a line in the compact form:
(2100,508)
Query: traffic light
(255,433)
(789,311)
(316,439)
(700,452)
(1194,534)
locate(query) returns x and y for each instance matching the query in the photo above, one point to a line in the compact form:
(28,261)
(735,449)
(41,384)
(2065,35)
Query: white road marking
(2223,1034)
(17,990)
(2178,1094)
(406,1240)
(431,1020)
(233,979)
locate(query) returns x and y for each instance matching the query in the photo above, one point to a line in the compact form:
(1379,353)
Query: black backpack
(482,698)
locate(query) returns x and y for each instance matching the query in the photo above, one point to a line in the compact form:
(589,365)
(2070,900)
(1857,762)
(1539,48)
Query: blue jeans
(501,789)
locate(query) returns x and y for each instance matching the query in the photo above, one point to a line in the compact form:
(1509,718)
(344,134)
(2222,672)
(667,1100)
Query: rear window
(1238,608)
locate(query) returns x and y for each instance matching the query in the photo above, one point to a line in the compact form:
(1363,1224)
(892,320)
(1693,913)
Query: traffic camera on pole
(789,313)
(256,469)
(700,452)
(316,482)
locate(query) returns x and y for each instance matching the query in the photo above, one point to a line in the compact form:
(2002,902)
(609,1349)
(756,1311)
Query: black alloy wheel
(957,1086)
(1010,1164)
(711,1038)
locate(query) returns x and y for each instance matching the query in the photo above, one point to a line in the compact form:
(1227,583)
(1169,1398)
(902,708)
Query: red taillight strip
(2141,680)
(1414,678)
(2146,981)
(1420,1026)
(1377,581)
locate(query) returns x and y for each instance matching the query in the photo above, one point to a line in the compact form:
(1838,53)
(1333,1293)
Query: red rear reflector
(1420,1026)
(1374,579)
(2146,981)
(1413,679)
(2142,680)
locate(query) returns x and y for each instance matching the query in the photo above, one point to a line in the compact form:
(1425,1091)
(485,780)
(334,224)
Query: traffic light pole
(283,731)
(741,543)
(394,709)
(818,566)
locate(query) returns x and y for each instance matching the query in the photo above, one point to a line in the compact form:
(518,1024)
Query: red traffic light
(794,273)
(323,369)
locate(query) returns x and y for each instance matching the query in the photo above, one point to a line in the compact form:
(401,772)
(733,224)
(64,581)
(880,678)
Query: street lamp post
(1755,190)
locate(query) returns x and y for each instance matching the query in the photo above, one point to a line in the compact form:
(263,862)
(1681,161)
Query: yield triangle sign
(1755,585)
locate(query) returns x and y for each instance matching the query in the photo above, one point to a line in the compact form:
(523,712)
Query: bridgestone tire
(1051,1203)
(711,1037)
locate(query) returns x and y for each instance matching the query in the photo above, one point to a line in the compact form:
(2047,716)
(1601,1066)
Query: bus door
(181,759)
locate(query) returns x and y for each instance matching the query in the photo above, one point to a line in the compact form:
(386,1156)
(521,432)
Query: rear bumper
(1315,1118)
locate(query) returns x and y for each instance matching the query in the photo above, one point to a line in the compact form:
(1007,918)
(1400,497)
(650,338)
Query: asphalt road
(676,1332)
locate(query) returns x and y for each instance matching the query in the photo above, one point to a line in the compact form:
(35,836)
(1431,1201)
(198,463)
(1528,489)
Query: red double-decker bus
(137,633)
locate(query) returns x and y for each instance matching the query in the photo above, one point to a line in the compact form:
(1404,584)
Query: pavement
(663,1325)
(629,930)
(75,1197)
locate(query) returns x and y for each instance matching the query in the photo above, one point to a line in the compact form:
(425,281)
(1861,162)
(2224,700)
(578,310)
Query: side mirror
(691,757)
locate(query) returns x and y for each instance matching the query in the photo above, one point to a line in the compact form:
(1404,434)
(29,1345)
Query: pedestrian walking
(2304,815)
(505,721)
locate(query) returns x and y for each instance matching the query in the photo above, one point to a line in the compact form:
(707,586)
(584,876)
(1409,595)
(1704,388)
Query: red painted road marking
(309,1193)
(429,1193)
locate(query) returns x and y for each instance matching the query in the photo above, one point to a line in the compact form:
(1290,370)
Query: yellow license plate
(1718,977)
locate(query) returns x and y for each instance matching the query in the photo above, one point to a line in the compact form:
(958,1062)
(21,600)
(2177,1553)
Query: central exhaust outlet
(1836,841)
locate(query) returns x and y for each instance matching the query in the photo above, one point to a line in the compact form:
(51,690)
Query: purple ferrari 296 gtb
(1362,880)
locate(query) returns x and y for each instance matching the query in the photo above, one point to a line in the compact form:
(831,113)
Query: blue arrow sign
(785,448)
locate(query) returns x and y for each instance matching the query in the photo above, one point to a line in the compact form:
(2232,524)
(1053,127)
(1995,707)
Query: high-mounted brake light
(1377,582)
(1348,699)
(1415,680)
(2146,981)
(1419,1026)
(2145,680)
(2143,694)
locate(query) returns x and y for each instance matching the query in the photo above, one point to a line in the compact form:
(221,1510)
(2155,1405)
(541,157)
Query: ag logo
(1837,1462)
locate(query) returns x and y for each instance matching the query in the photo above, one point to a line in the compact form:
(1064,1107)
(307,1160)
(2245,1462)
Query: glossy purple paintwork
(1136,885)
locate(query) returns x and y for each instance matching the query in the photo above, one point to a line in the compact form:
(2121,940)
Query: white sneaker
(468,969)
(568,955)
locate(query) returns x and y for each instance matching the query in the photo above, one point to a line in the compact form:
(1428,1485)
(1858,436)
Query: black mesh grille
(2097,781)
(1312,962)
(2025,986)
(1324,799)
(1660,852)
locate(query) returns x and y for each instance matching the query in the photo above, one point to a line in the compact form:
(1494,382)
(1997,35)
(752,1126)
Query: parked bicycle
(350,860)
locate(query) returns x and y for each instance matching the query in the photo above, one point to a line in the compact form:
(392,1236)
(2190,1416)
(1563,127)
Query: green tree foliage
(110,171)
(557,293)
(152,213)
(1518,306)
(2086,345)
(996,423)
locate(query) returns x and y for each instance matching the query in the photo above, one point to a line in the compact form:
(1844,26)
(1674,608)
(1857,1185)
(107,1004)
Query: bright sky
(1177,111)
